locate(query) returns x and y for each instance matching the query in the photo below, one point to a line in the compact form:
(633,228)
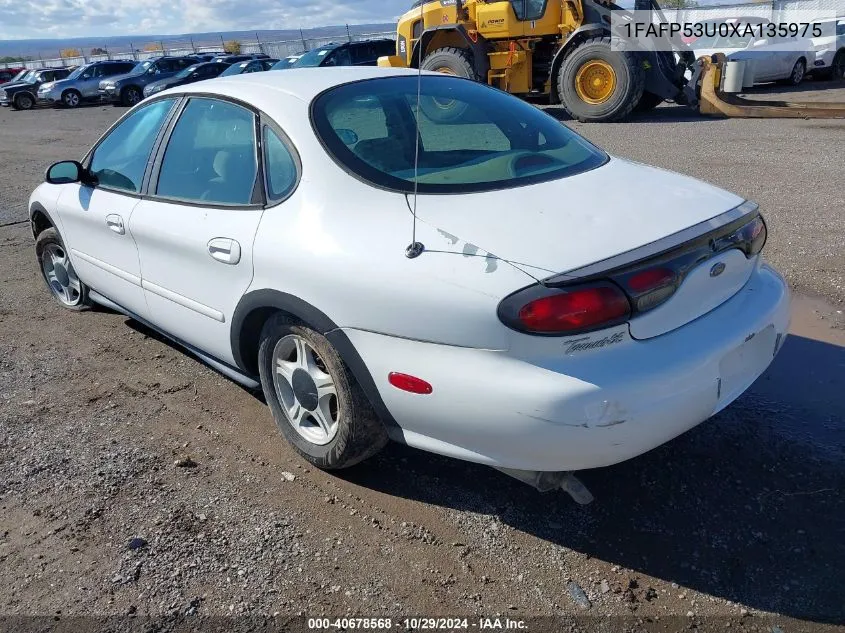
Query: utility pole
(348,34)
(193,48)
(302,37)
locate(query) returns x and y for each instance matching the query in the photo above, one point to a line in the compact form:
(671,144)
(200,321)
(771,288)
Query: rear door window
(211,155)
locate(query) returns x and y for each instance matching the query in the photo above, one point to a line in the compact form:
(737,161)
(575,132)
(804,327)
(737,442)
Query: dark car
(197,72)
(129,89)
(252,66)
(83,83)
(364,53)
(208,56)
(22,95)
(234,59)
(287,62)
(8,75)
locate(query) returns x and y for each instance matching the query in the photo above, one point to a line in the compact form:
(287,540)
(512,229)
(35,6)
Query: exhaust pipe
(545,481)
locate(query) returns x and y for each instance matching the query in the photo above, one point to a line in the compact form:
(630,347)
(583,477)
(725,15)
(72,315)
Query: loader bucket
(717,103)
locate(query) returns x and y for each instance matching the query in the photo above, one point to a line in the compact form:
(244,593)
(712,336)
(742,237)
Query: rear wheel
(315,400)
(71,99)
(130,96)
(596,83)
(58,272)
(23,101)
(799,70)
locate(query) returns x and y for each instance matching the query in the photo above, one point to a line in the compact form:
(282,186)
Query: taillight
(541,310)
(650,287)
(755,233)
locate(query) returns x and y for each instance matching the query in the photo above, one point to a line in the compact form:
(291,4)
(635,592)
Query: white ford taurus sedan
(459,272)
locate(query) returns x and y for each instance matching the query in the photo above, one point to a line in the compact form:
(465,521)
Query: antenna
(415,248)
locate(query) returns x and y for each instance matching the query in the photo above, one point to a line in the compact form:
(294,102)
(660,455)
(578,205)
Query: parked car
(82,84)
(251,66)
(287,62)
(595,328)
(8,75)
(207,56)
(129,89)
(783,59)
(830,50)
(22,95)
(234,59)
(364,53)
(194,73)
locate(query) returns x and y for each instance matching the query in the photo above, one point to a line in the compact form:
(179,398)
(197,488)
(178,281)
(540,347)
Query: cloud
(38,19)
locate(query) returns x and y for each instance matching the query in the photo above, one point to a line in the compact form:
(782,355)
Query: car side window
(119,161)
(340,57)
(280,166)
(211,155)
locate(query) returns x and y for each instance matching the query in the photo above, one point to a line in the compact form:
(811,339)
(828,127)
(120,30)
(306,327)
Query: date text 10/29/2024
(417,624)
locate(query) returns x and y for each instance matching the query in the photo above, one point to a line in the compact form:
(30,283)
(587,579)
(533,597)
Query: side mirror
(67,172)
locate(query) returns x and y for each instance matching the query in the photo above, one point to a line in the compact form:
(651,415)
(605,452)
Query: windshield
(313,58)
(288,62)
(76,73)
(471,137)
(141,68)
(235,69)
(187,72)
(21,75)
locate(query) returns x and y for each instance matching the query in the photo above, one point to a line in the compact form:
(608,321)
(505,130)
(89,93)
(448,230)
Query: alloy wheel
(797,72)
(24,102)
(71,99)
(60,275)
(305,389)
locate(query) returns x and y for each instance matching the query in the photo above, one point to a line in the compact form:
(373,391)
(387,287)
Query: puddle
(804,389)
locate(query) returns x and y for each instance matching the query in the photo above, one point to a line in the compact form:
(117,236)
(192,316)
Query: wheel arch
(40,219)
(452,35)
(257,306)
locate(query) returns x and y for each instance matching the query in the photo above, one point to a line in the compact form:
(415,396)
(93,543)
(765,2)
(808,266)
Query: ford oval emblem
(717,269)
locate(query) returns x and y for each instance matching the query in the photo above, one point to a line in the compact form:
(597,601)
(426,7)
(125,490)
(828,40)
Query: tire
(648,102)
(627,90)
(450,61)
(350,430)
(71,99)
(23,101)
(130,96)
(66,288)
(799,71)
(837,67)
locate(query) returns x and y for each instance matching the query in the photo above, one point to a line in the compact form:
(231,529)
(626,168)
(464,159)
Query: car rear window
(472,137)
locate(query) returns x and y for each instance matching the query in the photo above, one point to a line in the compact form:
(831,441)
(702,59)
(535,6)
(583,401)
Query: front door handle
(225,250)
(115,223)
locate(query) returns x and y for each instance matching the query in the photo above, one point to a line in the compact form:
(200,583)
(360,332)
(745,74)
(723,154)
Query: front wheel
(71,99)
(130,96)
(837,68)
(316,402)
(58,272)
(598,84)
(24,101)
(799,70)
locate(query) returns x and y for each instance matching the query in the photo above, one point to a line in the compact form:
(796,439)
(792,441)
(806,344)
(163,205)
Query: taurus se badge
(717,269)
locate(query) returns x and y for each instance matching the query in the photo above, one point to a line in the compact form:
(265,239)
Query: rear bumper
(584,410)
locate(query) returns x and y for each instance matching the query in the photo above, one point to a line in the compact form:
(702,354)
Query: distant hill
(50,47)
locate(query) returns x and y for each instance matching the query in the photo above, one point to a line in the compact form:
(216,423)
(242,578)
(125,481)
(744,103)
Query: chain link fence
(277,49)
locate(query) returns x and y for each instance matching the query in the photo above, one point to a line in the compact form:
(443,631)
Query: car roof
(301,83)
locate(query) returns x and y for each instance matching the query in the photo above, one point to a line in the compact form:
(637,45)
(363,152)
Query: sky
(36,19)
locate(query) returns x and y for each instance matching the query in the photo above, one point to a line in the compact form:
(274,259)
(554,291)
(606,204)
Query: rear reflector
(575,310)
(408,383)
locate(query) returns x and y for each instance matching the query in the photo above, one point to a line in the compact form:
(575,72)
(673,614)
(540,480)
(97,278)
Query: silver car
(82,84)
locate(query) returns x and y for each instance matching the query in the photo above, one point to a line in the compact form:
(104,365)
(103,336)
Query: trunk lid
(566,224)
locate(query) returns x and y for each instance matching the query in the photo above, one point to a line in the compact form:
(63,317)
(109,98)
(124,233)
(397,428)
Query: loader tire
(451,61)
(597,84)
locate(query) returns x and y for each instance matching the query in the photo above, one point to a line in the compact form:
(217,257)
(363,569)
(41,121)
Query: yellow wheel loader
(557,48)
(562,49)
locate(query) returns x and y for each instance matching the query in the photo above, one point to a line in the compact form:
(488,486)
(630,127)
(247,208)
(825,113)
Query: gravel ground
(136,481)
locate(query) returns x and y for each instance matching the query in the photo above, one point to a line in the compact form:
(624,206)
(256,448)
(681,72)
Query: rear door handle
(115,223)
(225,250)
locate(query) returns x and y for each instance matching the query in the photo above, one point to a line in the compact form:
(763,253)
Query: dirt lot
(741,518)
